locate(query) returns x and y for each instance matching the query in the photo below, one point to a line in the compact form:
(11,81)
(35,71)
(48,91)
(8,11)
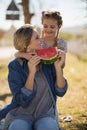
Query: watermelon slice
(48,55)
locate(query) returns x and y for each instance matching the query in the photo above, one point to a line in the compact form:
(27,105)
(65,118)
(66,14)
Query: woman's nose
(41,43)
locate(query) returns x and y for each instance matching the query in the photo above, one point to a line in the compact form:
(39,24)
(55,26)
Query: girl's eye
(52,27)
(45,26)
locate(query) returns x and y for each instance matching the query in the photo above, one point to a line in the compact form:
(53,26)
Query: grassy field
(74,103)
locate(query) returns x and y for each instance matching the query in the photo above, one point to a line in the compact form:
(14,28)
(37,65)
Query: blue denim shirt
(17,77)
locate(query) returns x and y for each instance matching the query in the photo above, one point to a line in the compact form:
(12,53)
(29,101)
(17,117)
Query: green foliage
(67,36)
(73,37)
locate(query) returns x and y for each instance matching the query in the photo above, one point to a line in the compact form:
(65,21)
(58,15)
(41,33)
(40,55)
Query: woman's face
(35,42)
(50,27)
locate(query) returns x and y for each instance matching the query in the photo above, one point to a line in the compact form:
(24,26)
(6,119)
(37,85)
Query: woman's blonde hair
(22,37)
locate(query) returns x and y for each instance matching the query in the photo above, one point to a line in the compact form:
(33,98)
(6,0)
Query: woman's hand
(32,63)
(58,67)
(61,59)
(25,55)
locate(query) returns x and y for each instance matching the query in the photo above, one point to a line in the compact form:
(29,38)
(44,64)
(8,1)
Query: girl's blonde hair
(50,14)
(22,37)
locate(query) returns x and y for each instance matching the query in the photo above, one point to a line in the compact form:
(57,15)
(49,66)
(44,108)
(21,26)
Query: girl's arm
(24,55)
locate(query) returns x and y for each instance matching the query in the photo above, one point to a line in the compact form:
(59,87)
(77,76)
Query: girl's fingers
(34,58)
(32,53)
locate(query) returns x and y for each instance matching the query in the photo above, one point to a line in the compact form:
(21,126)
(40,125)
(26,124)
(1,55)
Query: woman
(34,86)
(52,22)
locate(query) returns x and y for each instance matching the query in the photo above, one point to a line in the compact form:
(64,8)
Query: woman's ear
(42,33)
(28,48)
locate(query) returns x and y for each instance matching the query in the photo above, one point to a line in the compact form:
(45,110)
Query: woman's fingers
(61,54)
(35,60)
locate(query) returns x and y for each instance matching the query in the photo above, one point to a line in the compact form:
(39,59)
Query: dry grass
(74,103)
(5,95)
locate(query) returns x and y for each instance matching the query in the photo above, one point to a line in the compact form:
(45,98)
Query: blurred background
(13,14)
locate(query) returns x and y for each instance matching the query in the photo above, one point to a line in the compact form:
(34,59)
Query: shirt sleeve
(62,44)
(61,91)
(58,91)
(22,95)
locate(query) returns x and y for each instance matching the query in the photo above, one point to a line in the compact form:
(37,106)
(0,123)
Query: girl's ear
(59,26)
(56,37)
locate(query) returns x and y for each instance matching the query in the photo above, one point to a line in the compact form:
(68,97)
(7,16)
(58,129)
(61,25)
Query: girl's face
(50,27)
(35,42)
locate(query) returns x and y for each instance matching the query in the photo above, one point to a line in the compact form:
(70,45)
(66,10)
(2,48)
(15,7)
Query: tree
(85,1)
(27,15)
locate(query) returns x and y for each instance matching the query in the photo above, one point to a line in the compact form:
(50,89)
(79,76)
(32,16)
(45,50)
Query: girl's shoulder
(62,44)
(62,40)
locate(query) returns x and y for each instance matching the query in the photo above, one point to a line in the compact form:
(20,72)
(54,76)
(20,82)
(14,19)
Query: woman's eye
(37,37)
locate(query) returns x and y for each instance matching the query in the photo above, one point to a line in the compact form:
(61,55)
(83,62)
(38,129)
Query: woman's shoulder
(12,62)
(62,44)
(15,63)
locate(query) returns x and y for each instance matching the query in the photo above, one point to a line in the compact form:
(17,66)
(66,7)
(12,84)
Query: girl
(52,22)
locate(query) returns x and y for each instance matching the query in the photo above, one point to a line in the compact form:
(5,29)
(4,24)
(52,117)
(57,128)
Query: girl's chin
(38,48)
(49,35)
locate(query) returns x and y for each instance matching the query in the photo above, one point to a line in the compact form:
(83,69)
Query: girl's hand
(25,55)
(32,63)
(61,59)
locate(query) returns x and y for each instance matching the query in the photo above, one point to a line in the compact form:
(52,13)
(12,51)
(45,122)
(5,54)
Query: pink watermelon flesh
(47,53)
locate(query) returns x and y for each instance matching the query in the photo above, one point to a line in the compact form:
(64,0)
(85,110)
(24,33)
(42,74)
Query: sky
(72,12)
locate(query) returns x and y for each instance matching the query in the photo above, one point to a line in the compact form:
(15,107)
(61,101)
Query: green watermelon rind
(49,61)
